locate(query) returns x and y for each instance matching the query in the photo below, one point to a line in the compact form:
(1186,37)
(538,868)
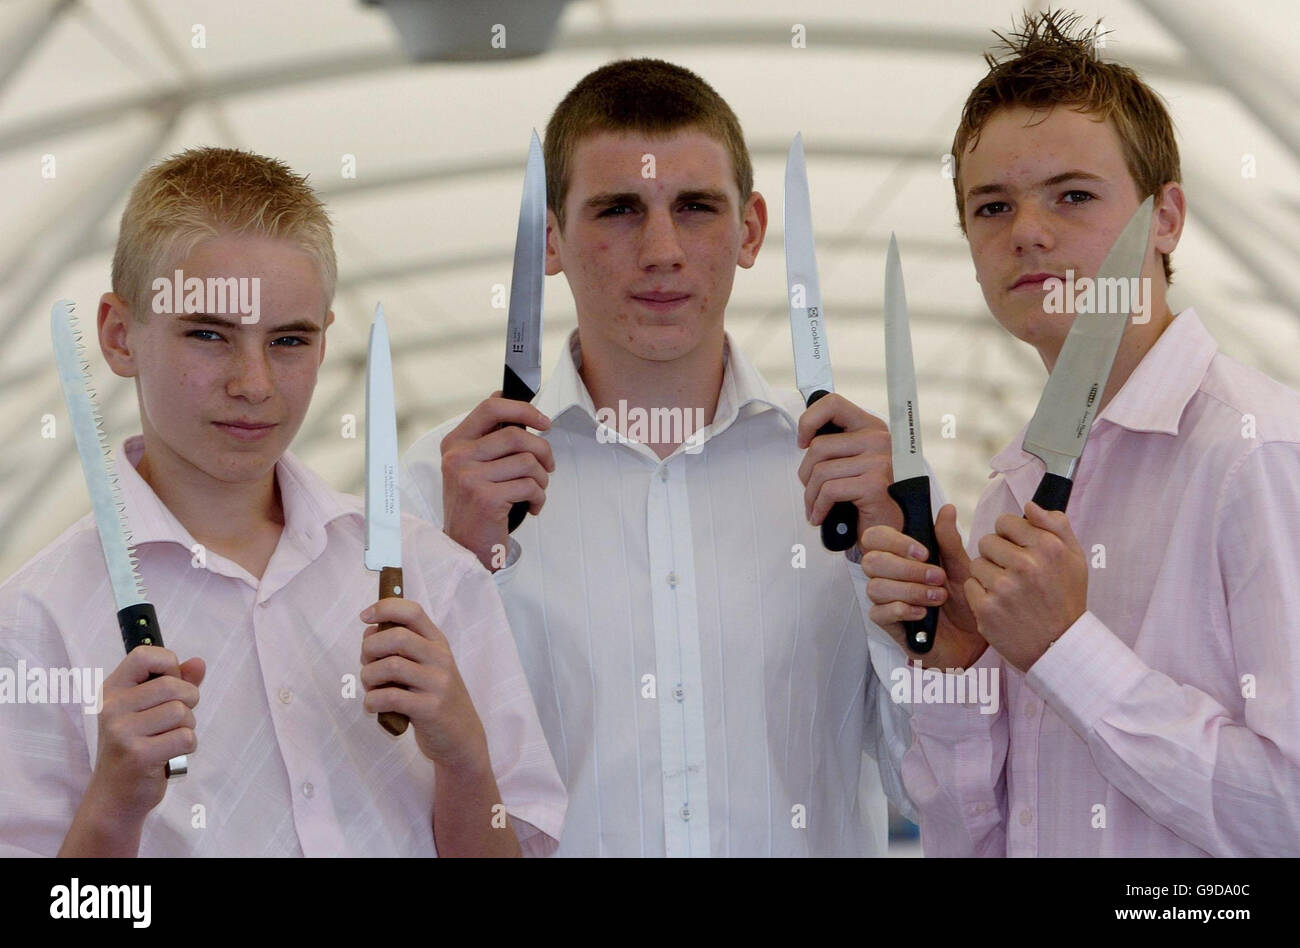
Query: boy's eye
(1084,194)
(697,205)
(979,212)
(296,340)
(204,334)
(614,209)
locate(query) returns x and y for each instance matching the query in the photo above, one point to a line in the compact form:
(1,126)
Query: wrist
(103,828)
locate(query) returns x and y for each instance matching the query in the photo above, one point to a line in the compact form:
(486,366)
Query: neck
(222,516)
(1136,343)
(689,386)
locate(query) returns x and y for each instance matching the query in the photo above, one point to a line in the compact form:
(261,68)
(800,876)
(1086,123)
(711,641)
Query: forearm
(469,818)
(98,831)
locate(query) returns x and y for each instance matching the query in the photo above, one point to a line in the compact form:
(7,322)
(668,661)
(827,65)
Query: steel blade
(524,328)
(900,374)
(96,457)
(1060,426)
(383,502)
(812,358)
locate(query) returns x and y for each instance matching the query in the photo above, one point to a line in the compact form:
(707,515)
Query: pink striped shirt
(288,762)
(1166,720)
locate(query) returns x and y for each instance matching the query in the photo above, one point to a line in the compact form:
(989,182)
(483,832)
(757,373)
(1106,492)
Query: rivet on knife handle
(390,585)
(139,626)
(840,528)
(913,498)
(515,387)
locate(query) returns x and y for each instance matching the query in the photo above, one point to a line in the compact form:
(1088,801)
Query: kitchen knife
(911,487)
(812,359)
(1060,426)
(383,504)
(523,373)
(136,617)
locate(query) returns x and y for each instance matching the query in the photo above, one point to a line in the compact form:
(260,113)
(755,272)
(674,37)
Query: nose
(250,374)
(1031,228)
(660,248)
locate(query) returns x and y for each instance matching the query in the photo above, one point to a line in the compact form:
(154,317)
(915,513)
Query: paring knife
(911,487)
(383,503)
(136,616)
(523,374)
(1060,425)
(812,358)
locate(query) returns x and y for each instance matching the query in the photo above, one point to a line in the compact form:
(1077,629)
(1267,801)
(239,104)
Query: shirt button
(679,693)
(1026,816)
(663,473)
(1031,709)
(285,695)
(685,812)
(672,580)
(308,790)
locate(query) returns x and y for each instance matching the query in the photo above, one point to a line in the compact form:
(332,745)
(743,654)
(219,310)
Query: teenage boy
(255,565)
(1147,640)
(700,663)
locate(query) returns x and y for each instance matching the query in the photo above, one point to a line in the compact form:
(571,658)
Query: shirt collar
(309,503)
(1155,395)
(743,388)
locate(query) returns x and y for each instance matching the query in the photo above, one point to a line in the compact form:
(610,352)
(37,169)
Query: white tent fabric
(96,90)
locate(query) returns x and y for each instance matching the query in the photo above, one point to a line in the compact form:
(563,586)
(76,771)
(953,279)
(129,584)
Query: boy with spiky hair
(1148,640)
(256,565)
(701,664)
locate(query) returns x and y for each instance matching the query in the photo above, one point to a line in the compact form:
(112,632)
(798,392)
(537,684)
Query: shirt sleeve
(1229,786)
(474,621)
(45,762)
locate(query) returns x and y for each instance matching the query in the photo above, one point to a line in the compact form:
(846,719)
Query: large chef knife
(136,616)
(523,374)
(812,358)
(383,504)
(911,487)
(1060,426)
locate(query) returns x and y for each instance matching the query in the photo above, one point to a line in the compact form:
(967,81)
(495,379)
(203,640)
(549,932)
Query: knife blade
(1061,423)
(383,502)
(523,372)
(812,359)
(136,617)
(911,487)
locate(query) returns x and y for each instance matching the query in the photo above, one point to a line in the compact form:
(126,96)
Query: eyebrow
(632,199)
(207,319)
(1072,175)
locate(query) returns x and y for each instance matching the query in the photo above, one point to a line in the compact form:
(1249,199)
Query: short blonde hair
(1053,62)
(203,193)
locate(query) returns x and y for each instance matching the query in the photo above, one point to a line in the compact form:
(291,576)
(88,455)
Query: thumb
(955,561)
(193,671)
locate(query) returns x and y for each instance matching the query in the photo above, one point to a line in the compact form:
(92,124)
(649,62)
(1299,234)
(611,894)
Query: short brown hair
(1048,67)
(639,95)
(209,192)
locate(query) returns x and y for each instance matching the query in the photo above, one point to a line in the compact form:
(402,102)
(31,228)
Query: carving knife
(136,617)
(812,359)
(523,373)
(1060,426)
(383,503)
(911,487)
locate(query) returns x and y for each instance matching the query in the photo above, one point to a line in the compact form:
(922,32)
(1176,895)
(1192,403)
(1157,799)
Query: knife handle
(840,528)
(139,626)
(390,586)
(913,498)
(1053,492)
(515,387)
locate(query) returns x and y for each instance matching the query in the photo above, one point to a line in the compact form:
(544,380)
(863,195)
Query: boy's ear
(753,226)
(114,323)
(552,248)
(329,319)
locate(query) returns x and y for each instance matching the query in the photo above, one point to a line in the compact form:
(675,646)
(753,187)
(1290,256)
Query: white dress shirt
(289,763)
(700,663)
(1166,720)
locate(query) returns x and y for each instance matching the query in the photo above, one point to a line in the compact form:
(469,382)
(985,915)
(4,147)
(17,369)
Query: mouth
(1034,281)
(662,301)
(245,430)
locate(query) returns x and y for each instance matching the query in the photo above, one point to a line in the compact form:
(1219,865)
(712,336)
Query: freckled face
(1043,195)
(223,396)
(651,260)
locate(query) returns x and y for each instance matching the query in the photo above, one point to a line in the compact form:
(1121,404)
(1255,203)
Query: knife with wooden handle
(136,617)
(383,500)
